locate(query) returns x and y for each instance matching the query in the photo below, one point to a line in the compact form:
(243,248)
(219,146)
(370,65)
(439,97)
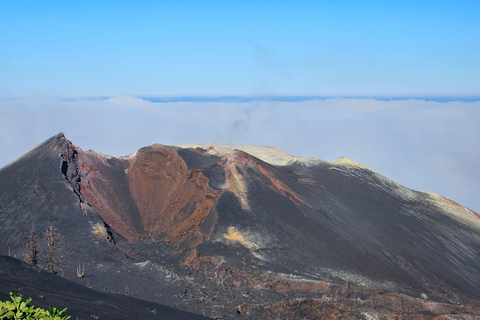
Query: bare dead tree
(56,249)
(32,254)
(81,271)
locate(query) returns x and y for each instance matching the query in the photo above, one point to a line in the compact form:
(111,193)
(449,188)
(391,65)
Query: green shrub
(20,310)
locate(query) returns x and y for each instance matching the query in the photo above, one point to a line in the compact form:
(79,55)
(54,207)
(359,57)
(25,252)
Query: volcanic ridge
(235,232)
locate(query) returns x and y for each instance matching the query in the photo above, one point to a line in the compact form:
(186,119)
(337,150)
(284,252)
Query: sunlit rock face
(250,219)
(151,194)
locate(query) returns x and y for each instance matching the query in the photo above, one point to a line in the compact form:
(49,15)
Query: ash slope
(341,221)
(208,219)
(47,290)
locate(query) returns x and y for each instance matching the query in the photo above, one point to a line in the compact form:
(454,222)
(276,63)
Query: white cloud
(424,145)
(128,101)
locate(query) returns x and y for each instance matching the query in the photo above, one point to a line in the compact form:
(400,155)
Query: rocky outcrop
(150,195)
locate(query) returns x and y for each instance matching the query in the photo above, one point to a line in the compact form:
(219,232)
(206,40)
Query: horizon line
(448,97)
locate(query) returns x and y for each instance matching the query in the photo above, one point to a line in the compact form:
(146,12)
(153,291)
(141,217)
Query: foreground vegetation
(17,309)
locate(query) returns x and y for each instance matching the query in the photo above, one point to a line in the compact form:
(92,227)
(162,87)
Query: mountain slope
(178,224)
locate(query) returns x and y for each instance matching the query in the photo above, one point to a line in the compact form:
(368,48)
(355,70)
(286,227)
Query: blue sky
(239,47)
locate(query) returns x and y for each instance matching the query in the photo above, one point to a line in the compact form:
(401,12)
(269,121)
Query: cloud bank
(424,145)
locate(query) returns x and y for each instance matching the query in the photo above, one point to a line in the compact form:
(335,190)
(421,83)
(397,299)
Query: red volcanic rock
(262,171)
(151,194)
(171,199)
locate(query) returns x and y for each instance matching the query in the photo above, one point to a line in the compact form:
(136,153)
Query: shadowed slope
(47,290)
(34,193)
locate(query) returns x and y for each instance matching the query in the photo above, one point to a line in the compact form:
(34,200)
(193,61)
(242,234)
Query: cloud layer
(424,145)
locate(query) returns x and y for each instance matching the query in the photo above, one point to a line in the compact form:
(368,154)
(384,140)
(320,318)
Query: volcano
(243,232)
